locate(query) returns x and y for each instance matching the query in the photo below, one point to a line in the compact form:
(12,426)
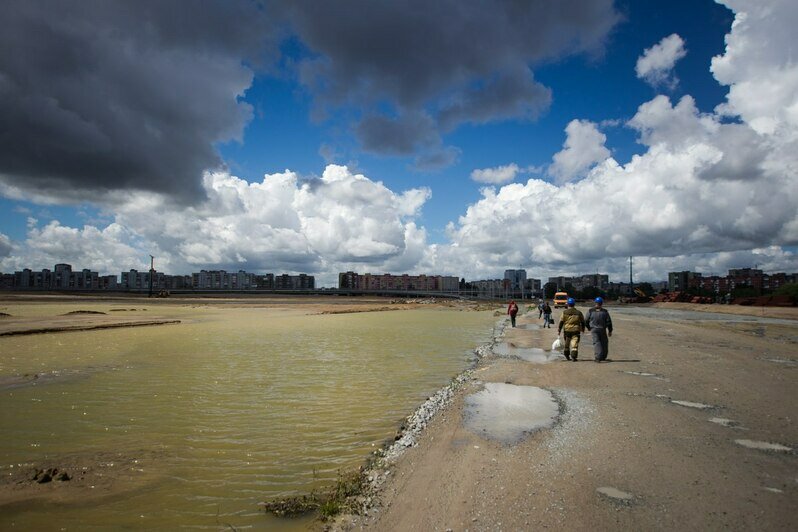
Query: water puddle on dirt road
(508,413)
(763,445)
(530,354)
(615,493)
(725,422)
(690,404)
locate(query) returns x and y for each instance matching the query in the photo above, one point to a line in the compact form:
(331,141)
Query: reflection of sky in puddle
(530,354)
(528,326)
(693,315)
(506,412)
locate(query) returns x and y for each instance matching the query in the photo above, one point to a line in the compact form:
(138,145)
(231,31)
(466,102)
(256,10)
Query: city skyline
(63,277)
(373,137)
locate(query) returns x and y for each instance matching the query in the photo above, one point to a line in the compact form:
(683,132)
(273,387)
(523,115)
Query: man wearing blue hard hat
(572,325)
(599,324)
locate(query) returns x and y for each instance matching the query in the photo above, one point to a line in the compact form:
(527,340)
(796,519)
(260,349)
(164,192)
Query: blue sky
(563,137)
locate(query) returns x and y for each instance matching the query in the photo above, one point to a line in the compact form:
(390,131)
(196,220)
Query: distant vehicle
(561,299)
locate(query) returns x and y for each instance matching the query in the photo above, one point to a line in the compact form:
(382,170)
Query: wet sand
(136,311)
(690,426)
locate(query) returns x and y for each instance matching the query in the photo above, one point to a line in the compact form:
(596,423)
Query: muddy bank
(77,478)
(21,326)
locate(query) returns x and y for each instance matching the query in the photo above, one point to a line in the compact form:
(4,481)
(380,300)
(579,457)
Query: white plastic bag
(556,345)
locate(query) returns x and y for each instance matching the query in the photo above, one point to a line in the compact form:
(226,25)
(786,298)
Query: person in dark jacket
(512,310)
(547,321)
(599,324)
(572,325)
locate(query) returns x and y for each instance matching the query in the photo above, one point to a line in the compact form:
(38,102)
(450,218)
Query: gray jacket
(599,318)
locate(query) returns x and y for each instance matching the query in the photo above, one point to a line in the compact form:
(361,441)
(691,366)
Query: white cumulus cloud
(708,193)
(583,148)
(656,64)
(497,175)
(284,223)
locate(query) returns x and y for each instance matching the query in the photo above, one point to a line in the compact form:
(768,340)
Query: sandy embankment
(691,426)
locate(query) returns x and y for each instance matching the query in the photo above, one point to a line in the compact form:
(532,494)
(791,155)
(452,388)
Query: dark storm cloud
(468,61)
(104,95)
(397,136)
(438,158)
(516,95)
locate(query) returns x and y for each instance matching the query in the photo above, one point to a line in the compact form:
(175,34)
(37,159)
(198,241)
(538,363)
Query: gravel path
(691,426)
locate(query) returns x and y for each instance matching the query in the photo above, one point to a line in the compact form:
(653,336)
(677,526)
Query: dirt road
(662,437)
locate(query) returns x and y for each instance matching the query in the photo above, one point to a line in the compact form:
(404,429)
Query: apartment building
(367,281)
(752,278)
(580,282)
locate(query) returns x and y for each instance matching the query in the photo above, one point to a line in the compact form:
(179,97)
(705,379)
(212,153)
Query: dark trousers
(601,344)
(512,319)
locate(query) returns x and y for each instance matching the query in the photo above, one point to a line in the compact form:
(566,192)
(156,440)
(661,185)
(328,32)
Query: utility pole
(631,283)
(152,272)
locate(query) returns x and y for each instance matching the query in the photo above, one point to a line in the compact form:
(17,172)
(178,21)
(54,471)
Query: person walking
(540,309)
(599,324)
(572,325)
(512,310)
(547,321)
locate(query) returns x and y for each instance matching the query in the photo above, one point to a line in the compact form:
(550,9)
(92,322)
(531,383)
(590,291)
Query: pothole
(615,493)
(508,413)
(646,374)
(690,404)
(763,445)
(725,422)
(529,354)
(783,361)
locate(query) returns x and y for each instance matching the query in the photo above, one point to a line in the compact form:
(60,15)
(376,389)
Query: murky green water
(227,409)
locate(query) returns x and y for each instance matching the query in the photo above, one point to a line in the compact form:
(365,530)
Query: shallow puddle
(763,445)
(689,404)
(530,354)
(507,413)
(785,361)
(646,374)
(725,422)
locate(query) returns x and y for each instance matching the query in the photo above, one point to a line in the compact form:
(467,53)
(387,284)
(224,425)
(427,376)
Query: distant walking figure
(512,310)
(540,309)
(599,324)
(572,324)
(547,321)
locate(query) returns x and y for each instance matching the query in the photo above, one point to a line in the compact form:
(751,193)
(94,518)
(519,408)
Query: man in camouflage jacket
(572,325)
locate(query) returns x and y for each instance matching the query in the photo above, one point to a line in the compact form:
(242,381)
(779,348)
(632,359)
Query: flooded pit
(690,404)
(724,422)
(229,408)
(529,354)
(508,413)
(763,445)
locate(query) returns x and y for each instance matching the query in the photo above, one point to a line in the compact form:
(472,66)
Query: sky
(448,137)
